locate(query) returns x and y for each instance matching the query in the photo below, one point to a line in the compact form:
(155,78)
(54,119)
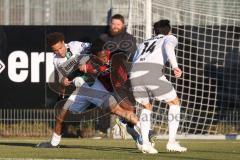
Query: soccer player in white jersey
(88,89)
(148,81)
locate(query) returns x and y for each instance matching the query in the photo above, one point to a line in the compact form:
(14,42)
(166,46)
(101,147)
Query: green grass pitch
(117,149)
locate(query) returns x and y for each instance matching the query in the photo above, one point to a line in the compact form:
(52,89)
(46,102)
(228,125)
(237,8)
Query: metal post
(129,25)
(26,12)
(148,17)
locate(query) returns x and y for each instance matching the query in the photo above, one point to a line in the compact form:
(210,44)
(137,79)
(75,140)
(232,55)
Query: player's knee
(175,101)
(127,105)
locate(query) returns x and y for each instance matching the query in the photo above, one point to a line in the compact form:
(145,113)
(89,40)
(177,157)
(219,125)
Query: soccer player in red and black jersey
(113,77)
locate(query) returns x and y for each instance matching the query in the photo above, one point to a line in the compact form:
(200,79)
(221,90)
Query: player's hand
(87,68)
(177,72)
(66,82)
(83,68)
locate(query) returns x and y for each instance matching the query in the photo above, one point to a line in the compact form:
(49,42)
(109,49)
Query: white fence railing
(39,122)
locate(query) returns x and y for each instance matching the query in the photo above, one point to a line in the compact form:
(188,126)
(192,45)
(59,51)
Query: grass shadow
(18,144)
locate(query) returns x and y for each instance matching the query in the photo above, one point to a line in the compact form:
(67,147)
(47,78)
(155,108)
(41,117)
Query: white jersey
(158,49)
(74,49)
(146,72)
(85,95)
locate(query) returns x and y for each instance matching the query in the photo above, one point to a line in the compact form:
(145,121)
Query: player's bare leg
(173,124)
(127,105)
(56,137)
(128,115)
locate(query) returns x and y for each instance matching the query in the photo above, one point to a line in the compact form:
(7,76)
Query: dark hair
(162,27)
(97,46)
(119,17)
(55,37)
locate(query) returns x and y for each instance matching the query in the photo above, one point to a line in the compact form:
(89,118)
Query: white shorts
(85,95)
(144,91)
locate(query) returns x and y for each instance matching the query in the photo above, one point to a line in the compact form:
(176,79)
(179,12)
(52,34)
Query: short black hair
(97,46)
(162,27)
(54,38)
(119,17)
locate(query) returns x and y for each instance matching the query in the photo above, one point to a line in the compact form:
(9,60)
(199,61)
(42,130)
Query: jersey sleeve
(170,43)
(79,47)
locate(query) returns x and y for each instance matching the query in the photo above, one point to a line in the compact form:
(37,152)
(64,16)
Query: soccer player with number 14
(148,81)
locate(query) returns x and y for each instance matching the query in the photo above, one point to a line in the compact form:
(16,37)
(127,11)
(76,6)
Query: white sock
(55,139)
(145,124)
(173,122)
